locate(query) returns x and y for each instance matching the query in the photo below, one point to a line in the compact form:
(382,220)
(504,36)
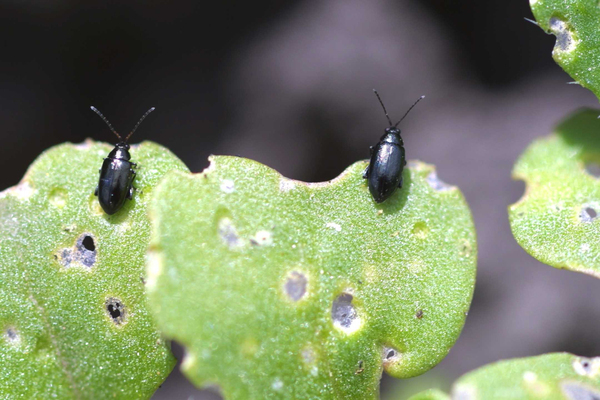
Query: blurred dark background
(289,84)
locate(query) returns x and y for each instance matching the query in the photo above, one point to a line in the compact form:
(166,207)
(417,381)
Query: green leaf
(74,319)
(556,219)
(430,394)
(576,25)
(285,289)
(556,376)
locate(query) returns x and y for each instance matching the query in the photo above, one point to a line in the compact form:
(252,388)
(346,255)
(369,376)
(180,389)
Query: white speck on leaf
(335,226)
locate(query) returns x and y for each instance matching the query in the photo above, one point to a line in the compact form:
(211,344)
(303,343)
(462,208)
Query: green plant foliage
(576,25)
(556,219)
(286,289)
(74,321)
(555,376)
(431,394)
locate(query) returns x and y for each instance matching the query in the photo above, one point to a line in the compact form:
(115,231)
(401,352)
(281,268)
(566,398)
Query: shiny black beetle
(388,159)
(117,173)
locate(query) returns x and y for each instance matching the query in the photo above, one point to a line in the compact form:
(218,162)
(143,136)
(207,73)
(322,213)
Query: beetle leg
(371,149)
(96,191)
(130,193)
(366,173)
(400,184)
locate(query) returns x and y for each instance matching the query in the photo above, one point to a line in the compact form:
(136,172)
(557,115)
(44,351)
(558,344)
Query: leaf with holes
(74,312)
(555,376)
(285,289)
(556,220)
(576,25)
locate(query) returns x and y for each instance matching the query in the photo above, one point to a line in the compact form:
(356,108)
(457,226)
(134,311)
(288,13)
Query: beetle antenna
(411,107)
(139,122)
(94,109)
(384,110)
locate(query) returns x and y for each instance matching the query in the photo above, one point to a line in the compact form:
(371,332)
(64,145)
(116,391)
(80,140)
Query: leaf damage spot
(344,314)
(115,310)
(436,183)
(390,355)
(227,186)
(334,226)
(277,385)
(417,266)
(309,356)
(249,347)
(94,205)
(535,386)
(587,366)
(420,230)
(465,248)
(82,254)
(588,213)
(12,336)
(564,37)
(295,285)
(228,233)
(262,238)
(22,191)
(360,368)
(58,197)
(285,185)
(578,391)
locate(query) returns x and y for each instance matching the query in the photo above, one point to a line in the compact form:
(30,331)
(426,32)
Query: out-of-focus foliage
(556,219)
(555,376)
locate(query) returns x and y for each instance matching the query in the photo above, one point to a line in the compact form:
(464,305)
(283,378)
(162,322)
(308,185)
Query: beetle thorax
(392,135)
(120,152)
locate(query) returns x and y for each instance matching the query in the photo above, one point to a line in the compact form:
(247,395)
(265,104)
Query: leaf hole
(360,368)
(390,356)
(295,285)
(115,310)
(12,336)
(344,314)
(88,243)
(85,250)
(564,36)
(586,366)
(588,213)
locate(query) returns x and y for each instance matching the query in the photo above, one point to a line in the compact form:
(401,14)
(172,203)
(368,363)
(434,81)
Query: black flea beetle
(117,173)
(388,159)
